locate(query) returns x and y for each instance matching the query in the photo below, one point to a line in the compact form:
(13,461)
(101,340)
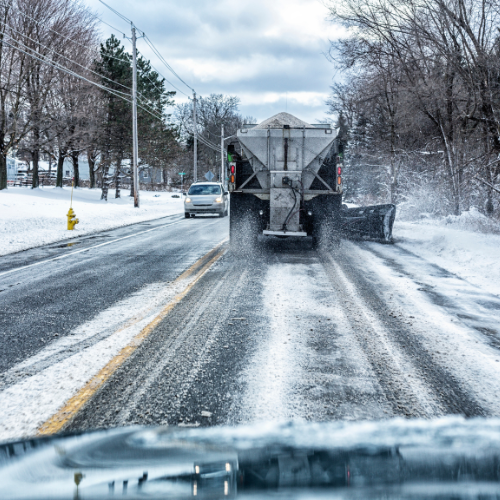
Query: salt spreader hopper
(285,179)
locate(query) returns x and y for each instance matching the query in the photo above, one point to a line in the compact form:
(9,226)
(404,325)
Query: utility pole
(222,154)
(195,173)
(135,146)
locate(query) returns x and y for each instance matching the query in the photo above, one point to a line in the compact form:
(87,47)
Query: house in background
(17,168)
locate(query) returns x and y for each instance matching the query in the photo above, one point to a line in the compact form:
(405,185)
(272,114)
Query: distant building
(14,166)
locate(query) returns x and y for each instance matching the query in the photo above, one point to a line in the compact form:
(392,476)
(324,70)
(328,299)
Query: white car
(23,179)
(206,198)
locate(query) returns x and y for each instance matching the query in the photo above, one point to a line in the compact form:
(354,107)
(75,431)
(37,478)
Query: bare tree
(212,112)
(429,70)
(14,124)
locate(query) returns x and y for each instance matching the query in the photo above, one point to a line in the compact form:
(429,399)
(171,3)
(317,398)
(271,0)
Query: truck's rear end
(285,180)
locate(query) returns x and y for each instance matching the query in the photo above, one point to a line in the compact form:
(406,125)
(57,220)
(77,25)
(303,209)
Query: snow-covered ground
(34,217)
(466,246)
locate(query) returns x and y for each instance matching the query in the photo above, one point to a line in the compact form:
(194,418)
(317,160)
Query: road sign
(182,173)
(209,176)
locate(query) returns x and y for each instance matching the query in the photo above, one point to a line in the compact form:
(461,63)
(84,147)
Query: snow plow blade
(375,221)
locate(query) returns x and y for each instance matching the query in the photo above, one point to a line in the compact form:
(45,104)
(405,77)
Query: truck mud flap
(375,221)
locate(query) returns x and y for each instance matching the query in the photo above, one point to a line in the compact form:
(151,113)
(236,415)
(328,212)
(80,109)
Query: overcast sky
(270,53)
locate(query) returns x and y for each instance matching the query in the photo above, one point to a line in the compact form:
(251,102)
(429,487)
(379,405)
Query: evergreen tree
(116,129)
(157,137)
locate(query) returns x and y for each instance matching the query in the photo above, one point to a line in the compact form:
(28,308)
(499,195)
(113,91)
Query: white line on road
(90,248)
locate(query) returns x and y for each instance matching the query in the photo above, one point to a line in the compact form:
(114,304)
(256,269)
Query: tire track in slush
(282,334)
(416,385)
(177,376)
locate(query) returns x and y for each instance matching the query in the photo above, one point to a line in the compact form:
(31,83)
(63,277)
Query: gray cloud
(256,49)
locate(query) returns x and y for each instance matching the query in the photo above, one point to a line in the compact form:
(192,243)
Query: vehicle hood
(445,458)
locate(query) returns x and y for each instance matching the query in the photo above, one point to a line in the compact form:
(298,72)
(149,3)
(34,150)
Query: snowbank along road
(366,331)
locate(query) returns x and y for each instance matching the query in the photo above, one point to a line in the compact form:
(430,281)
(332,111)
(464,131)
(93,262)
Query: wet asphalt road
(275,332)
(47,292)
(288,333)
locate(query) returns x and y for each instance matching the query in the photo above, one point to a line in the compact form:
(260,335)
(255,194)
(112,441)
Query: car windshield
(204,189)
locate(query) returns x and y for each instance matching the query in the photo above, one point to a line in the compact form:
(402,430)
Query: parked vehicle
(23,179)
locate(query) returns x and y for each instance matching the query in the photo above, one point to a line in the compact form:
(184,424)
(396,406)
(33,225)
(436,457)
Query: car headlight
(187,200)
(218,200)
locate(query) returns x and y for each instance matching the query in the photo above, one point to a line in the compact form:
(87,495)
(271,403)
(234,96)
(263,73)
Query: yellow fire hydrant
(72,220)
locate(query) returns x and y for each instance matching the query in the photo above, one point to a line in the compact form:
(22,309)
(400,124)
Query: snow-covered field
(34,217)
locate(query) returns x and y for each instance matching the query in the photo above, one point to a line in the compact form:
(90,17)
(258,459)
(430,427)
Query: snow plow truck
(285,180)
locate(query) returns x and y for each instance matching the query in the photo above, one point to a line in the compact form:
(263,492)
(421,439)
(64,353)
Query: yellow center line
(57,422)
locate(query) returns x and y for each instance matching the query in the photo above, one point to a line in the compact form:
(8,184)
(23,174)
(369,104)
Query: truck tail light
(339,171)
(232,176)
(339,181)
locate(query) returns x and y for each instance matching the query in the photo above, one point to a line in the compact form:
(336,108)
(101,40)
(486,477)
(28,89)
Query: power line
(154,49)
(209,142)
(148,102)
(144,35)
(156,84)
(107,24)
(162,59)
(169,82)
(65,57)
(208,145)
(205,141)
(86,47)
(56,65)
(72,73)
(118,14)
(70,39)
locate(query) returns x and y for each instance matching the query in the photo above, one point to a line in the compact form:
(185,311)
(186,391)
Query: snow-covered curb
(30,218)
